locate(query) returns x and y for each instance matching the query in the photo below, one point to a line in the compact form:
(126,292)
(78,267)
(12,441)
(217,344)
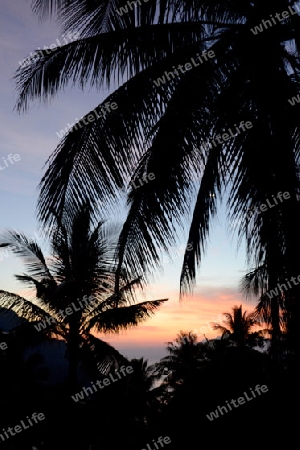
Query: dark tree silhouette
(74,289)
(236,326)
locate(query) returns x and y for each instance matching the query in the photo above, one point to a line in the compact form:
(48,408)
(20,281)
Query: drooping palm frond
(255,282)
(101,151)
(29,250)
(125,297)
(217,327)
(25,308)
(264,312)
(204,210)
(44,289)
(105,357)
(124,317)
(91,17)
(101,59)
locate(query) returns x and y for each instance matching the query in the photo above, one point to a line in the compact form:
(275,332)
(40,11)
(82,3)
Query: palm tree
(180,366)
(143,392)
(236,326)
(74,293)
(200,106)
(270,310)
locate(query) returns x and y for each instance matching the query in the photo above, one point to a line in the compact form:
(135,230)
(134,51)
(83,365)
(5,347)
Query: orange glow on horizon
(194,313)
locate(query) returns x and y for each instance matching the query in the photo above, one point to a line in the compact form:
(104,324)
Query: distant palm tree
(269,311)
(272,309)
(74,292)
(236,326)
(143,392)
(180,366)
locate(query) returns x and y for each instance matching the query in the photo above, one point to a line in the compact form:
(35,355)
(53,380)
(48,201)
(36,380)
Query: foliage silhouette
(81,264)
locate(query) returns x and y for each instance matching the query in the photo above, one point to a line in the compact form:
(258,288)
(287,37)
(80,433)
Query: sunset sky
(33,136)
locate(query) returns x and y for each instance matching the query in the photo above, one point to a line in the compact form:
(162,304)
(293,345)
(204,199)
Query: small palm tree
(143,392)
(181,364)
(74,292)
(270,310)
(237,325)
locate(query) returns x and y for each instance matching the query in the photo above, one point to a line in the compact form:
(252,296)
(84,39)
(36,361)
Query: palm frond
(255,282)
(101,59)
(91,17)
(116,319)
(205,208)
(157,208)
(105,357)
(125,296)
(264,311)
(29,250)
(91,163)
(218,327)
(45,289)
(24,308)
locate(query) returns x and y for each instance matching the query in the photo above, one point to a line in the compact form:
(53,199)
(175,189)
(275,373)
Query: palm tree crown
(74,292)
(236,326)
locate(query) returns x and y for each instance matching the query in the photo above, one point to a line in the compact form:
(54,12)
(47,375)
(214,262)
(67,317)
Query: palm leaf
(29,250)
(116,319)
(23,307)
(254,282)
(222,329)
(99,59)
(105,357)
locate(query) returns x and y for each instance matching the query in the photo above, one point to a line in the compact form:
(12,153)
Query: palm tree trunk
(73,352)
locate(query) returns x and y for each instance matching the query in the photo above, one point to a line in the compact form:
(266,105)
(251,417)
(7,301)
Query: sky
(31,138)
